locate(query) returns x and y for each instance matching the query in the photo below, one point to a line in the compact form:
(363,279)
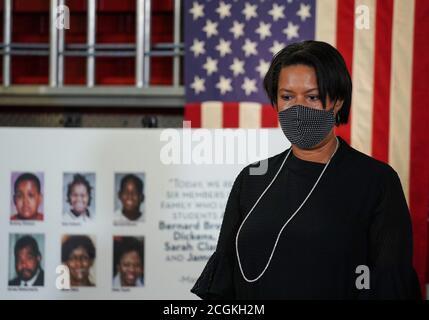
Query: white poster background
(105,152)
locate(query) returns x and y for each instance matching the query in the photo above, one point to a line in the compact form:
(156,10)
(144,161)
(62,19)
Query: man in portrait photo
(29,272)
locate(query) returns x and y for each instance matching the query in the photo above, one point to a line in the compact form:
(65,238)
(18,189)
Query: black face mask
(306,127)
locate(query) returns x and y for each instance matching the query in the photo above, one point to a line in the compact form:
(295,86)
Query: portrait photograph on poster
(78,253)
(27,196)
(129,197)
(26,260)
(78,197)
(128,262)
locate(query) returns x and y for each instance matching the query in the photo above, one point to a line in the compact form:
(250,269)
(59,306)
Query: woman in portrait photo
(79,198)
(324,213)
(78,254)
(128,262)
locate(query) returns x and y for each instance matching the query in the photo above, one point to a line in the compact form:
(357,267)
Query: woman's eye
(314,98)
(286,98)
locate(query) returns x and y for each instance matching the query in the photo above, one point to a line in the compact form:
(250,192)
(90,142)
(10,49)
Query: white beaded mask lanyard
(286,223)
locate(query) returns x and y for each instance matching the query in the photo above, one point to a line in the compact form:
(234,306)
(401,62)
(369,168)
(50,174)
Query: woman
(128,263)
(323,212)
(79,198)
(78,254)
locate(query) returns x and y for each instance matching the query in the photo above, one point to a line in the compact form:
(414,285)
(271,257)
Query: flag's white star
(263,30)
(224,47)
(210,65)
(237,67)
(277,46)
(304,11)
(198,48)
(224,85)
(289,1)
(249,86)
(224,10)
(277,12)
(197,10)
(237,29)
(263,67)
(249,48)
(249,11)
(198,85)
(210,28)
(291,31)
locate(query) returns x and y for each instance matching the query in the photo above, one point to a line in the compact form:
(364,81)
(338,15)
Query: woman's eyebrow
(307,91)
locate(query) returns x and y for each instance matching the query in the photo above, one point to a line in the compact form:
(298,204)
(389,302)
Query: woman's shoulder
(366,165)
(262,170)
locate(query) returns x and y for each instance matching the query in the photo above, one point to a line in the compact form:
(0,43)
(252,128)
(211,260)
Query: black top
(357,215)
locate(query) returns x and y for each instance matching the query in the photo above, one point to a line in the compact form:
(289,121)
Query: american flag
(230,43)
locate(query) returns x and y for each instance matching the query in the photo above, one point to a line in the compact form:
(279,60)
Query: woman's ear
(337,106)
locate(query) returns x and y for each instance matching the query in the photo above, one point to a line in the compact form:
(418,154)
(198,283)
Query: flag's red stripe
(193,114)
(382,75)
(268,117)
(345,32)
(419,153)
(230,115)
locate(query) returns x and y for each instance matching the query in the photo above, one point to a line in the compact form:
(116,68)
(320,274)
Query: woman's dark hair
(124,245)
(333,78)
(27,241)
(74,242)
(136,180)
(79,179)
(27,177)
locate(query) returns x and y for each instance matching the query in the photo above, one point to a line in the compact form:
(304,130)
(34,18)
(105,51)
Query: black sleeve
(216,280)
(392,275)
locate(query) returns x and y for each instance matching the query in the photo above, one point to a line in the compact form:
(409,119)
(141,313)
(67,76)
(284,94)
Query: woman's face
(130,197)
(79,264)
(298,85)
(130,268)
(79,198)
